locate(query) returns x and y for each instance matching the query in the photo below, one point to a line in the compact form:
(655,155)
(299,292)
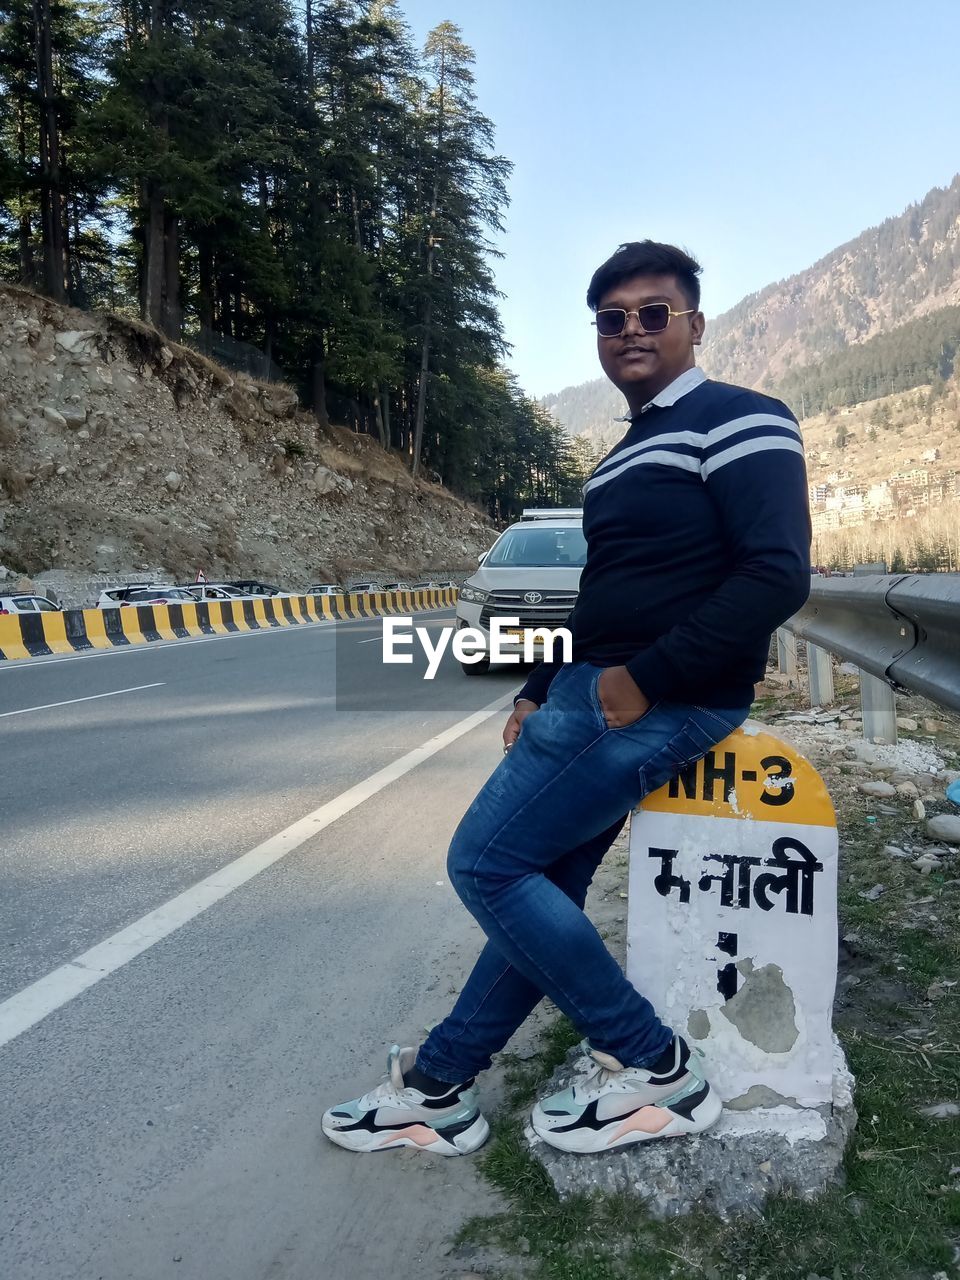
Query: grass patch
(897,1214)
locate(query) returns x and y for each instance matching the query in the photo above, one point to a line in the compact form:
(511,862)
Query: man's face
(641,364)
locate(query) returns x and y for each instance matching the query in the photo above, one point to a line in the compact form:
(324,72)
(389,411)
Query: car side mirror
(481,557)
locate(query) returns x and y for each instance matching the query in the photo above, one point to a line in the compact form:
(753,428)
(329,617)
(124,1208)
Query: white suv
(143,593)
(25,603)
(532,572)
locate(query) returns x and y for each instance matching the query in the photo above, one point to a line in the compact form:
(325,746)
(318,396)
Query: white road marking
(28,1007)
(47,706)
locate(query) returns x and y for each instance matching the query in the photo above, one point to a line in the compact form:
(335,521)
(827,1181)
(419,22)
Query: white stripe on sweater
(686,462)
(665,457)
(760,444)
(744,424)
(695,438)
(699,439)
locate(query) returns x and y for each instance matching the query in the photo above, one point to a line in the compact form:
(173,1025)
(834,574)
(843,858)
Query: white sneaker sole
(590,1141)
(417,1135)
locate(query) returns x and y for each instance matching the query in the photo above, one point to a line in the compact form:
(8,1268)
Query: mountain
(903,274)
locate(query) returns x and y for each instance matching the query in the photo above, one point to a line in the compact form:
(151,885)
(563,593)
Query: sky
(757,134)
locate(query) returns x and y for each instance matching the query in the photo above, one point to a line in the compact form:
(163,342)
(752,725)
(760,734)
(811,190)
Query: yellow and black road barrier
(33,635)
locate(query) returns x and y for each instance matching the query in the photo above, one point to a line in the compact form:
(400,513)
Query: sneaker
(395,1115)
(615,1106)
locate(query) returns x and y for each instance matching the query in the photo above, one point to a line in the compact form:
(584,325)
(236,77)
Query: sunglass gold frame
(605,311)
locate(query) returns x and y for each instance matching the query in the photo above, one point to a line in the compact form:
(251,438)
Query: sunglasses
(653,318)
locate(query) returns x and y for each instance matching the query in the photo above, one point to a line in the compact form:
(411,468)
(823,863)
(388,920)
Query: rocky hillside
(122,453)
(907,267)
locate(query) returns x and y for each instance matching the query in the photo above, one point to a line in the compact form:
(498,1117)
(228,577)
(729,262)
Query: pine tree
(50,172)
(149,130)
(239,271)
(19,194)
(49,62)
(584,458)
(462,196)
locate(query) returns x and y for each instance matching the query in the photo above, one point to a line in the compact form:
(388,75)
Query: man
(698,539)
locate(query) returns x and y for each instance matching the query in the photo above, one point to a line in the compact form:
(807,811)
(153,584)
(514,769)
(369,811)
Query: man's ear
(697,326)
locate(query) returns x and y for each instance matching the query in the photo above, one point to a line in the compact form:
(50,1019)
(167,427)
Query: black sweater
(698,546)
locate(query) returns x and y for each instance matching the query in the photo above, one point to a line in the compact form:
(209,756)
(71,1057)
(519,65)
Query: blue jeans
(522,860)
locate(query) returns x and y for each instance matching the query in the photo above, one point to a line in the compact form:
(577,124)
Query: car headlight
(472,595)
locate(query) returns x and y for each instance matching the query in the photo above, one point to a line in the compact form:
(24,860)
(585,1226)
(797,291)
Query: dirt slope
(122,454)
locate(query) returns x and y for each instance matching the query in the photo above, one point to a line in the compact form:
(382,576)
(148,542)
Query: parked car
(396,586)
(113,597)
(368,586)
(324,589)
(251,587)
(204,591)
(144,595)
(532,573)
(167,595)
(23,603)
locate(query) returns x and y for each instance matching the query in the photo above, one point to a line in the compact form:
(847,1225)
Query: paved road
(165,1121)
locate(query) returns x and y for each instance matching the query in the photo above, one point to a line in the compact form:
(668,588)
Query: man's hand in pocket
(620,700)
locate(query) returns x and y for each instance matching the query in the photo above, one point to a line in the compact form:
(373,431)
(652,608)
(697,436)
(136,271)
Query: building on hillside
(879,499)
(930,455)
(819,494)
(825,520)
(850,516)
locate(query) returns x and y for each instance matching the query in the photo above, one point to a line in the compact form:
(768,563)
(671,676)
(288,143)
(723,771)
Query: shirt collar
(674,391)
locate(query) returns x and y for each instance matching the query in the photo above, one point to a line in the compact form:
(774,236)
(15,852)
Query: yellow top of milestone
(748,775)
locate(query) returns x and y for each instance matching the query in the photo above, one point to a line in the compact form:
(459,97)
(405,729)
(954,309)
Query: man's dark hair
(647,258)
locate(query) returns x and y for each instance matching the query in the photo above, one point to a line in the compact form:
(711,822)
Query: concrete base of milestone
(732,1168)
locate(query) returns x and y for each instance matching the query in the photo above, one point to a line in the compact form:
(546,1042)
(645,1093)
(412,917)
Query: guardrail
(902,631)
(32,635)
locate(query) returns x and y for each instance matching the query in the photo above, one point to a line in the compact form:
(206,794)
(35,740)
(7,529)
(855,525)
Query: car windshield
(532,546)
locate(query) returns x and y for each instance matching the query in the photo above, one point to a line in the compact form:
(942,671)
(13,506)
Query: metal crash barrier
(902,631)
